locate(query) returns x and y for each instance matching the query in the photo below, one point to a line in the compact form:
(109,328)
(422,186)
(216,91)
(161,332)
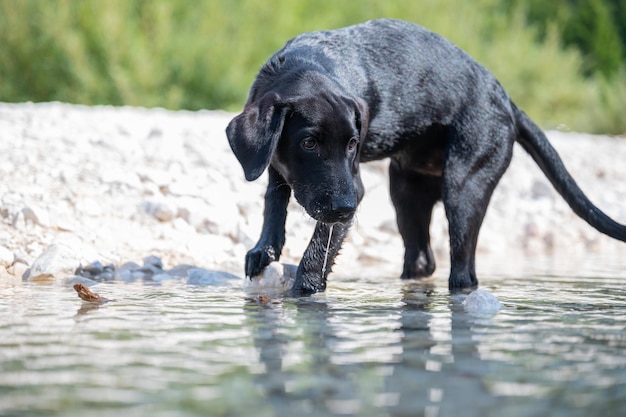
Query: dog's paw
(462,281)
(418,265)
(258,258)
(418,270)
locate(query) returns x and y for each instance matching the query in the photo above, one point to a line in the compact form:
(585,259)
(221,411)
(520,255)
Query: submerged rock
(198,276)
(482,301)
(180,271)
(152,271)
(78,279)
(96,271)
(152,261)
(127,272)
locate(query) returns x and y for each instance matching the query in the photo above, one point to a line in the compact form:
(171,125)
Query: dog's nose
(343,209)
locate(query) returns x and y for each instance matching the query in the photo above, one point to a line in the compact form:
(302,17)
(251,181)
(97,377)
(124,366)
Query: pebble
(7,258)
(162,211)
(18,270)
(36,215)
(96,270)
(18,221)
(482,302)
(93,269)
(153,262)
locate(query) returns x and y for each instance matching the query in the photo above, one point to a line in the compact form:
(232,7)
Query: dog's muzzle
(335,211)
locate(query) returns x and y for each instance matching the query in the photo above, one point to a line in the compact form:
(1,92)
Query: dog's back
(410,77)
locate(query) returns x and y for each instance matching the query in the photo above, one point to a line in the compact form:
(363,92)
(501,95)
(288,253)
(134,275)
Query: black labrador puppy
(385,89)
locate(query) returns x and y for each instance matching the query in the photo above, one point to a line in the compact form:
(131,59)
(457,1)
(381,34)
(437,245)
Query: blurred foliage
(204,54)
(595,27)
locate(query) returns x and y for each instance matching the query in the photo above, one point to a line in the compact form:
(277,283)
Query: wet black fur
(385,89)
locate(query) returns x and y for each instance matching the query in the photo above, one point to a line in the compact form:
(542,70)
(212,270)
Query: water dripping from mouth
(330,235)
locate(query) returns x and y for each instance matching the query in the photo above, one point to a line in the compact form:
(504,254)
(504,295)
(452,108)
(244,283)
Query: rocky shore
(148,194)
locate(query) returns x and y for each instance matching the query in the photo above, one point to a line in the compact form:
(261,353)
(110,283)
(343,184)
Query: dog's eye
(308,144)
(352,144)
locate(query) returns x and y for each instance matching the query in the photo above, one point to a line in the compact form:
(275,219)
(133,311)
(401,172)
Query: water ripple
(377,346)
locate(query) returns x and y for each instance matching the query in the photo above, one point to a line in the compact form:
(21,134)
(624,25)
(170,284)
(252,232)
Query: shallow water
(367,347)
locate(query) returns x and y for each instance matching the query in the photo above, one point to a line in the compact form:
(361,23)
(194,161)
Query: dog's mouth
(332,216)
(328,208)
(333,219)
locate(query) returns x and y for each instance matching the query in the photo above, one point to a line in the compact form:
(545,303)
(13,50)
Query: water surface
(372,346)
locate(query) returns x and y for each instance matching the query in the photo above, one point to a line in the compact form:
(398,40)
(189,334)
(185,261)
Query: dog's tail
(535,142)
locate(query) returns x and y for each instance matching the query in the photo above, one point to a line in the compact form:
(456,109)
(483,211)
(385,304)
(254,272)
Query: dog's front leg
(272,239)
(319,257)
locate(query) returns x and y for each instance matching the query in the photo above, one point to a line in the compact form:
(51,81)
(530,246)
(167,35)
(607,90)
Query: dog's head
(313,141)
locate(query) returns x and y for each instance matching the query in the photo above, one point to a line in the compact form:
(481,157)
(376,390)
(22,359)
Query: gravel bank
(114,186)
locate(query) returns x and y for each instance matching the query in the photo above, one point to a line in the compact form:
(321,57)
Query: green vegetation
(193,54)
(595,27)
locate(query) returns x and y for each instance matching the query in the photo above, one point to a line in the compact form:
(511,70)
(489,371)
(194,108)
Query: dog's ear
(362,117)
(253,135)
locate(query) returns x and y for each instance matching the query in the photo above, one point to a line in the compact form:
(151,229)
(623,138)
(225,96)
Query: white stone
(62,258)
(163,211)
(6,257)
(18,269)
(482,302)
(55,260)
(36,215)
(275,276)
